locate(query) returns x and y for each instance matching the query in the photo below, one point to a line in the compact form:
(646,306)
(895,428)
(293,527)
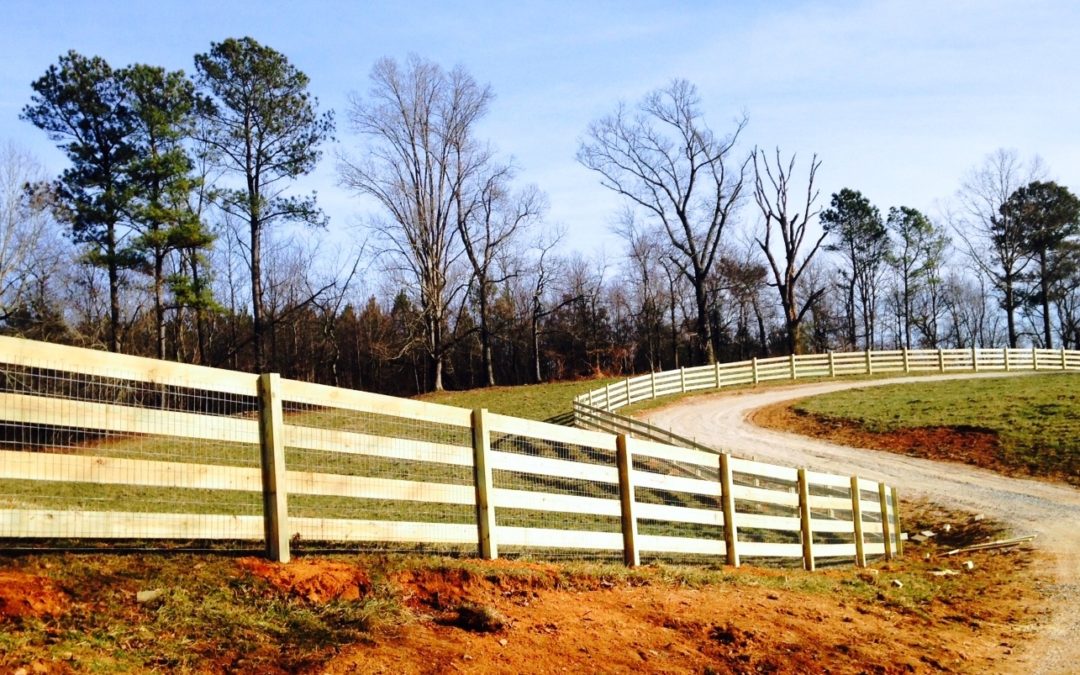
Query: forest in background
(176,232)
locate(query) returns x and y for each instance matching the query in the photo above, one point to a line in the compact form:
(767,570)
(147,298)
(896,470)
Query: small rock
(773,596)
(925,556)
(149,596)
(944,573)
(897,583)
(969,565)
(467,657)
(927,533)
(503,642)
(946,528)
(977,517)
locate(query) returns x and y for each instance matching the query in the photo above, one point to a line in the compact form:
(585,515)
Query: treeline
(174,233)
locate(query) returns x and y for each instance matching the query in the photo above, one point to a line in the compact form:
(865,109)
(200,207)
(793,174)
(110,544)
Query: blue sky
(899,99)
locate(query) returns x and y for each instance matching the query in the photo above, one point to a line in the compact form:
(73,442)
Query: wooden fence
(666,383)
(105,446)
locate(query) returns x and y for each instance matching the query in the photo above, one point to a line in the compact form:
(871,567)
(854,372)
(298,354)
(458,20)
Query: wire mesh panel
(556,490)
(677,495)
(377,471)
(97,445)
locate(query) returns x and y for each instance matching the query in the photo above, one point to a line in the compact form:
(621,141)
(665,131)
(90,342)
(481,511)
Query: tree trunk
(1044,288)
(256,297)
(703,325)
(1010,310)
(159,303)
(114,290)
(485,338)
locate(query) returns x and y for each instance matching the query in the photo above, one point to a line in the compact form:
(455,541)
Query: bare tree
(24,219)
(790,221)
(488,227)
(994,240)
(419,121)
(667,162)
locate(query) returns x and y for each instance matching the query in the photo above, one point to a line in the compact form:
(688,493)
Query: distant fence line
(653,385)
(105,446)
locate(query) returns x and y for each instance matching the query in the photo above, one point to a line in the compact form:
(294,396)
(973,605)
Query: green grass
(533,401)
(1036,418)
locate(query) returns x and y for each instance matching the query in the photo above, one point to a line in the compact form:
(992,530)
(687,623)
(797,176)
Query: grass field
(1035,418)
(533,401)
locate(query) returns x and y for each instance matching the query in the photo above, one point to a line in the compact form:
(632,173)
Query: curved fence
(653,385)
(124,449)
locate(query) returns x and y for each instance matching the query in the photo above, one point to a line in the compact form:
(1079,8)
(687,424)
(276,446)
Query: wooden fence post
(485,507)
(753,365)
(272,445)
(628,391)
(907,368)
(884,503)
(1005,355)
(727,506)
(1064,361)
(941,359)
(974,358)
(652,382)
(856,517)
(832,364)
(869,363)
(1034,359)
(682,379)
(716,370)
(626,500)
(805,528)
(791,364)
(896,523)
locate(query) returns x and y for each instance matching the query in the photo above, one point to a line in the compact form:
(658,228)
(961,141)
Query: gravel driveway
(1052,512)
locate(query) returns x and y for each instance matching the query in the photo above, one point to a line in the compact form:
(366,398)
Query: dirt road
(1052,512)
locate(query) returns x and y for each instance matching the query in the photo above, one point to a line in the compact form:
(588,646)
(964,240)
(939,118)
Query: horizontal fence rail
(105,446)
(654,385)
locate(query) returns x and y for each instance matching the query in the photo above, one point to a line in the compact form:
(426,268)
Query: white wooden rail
(654,385)
(310,455)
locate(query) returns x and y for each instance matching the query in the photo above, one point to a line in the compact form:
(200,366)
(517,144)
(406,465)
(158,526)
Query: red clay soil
(969,446)
(25,595)
(316,581)
(729,628)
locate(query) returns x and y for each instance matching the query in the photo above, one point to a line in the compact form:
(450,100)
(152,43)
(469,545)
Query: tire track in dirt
(1050,511)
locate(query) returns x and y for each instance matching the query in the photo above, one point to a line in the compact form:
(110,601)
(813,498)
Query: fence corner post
(727,506)
(272,450)
(485,506)
(625,461)
(883,501)
(806,530)
(856,517)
